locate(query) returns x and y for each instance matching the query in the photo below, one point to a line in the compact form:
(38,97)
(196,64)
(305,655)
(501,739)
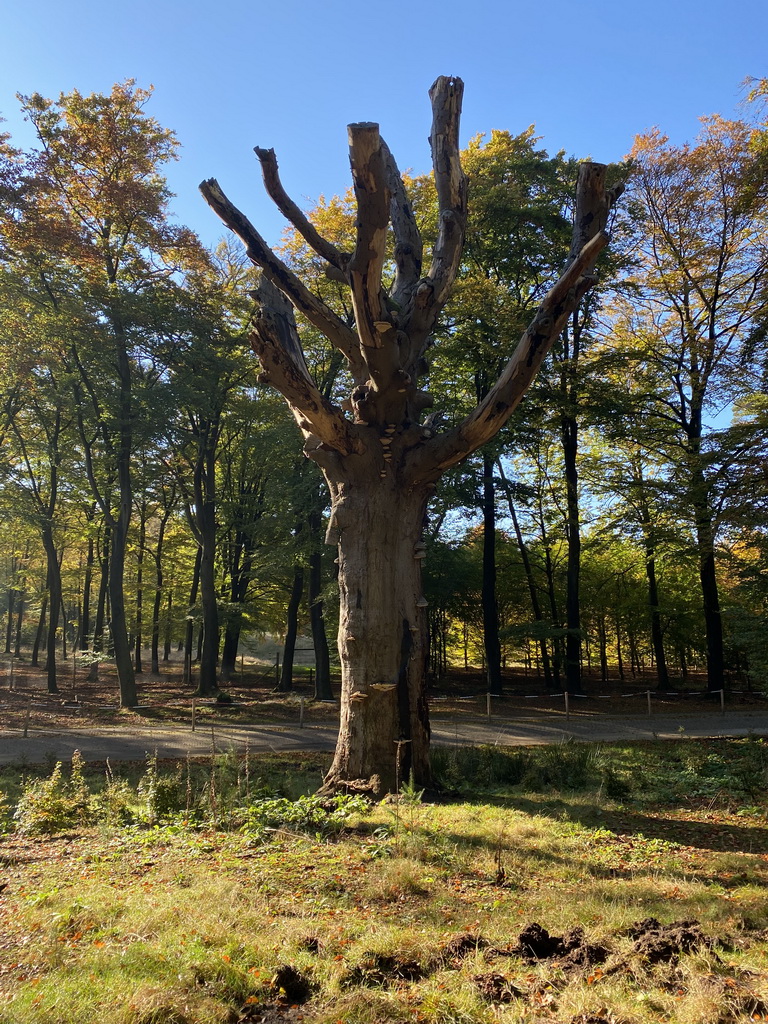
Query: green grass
(191,916)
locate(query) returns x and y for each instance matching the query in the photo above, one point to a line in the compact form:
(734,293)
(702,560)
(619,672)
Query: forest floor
(569,884)
(164,698)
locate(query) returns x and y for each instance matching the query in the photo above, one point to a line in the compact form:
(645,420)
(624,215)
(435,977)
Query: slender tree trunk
(138,632)
(158,598)
(323,690)
(85,617)
(572,598)
(601,633)
(39,631)
(209,655)
(168,615)
(98,645)
(11,607)
(705,544)
(488,591)
(619,655)
(54,604)
(118,619)
(19,623)
(529,578)
(553,611)
(291,630)
(190,624)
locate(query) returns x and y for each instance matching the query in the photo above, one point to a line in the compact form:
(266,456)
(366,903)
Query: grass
(404,911)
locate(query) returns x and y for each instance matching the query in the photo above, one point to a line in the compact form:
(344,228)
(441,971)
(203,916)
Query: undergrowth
(224,891)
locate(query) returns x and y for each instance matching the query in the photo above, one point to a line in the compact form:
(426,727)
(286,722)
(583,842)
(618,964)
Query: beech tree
(381,458)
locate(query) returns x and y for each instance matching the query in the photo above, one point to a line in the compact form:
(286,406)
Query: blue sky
(292,73)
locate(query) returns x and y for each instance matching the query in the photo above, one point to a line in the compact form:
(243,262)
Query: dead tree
(380,456)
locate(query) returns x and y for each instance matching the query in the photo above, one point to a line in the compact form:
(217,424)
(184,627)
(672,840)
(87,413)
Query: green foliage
(681,771)
(317,816)
(56,803)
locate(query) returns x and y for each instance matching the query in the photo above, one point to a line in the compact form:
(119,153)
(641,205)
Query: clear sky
(230,74)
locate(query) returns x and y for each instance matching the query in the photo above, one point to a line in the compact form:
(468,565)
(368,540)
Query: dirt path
(129,742)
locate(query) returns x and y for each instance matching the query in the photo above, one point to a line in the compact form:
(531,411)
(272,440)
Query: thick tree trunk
(384,729)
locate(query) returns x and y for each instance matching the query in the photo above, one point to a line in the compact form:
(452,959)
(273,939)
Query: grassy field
(572,884)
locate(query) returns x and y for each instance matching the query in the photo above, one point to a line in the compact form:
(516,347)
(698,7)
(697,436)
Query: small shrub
(54,804)
(317,816)
(163,795)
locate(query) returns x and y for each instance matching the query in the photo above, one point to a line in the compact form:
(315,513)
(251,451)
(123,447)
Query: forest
(155,502)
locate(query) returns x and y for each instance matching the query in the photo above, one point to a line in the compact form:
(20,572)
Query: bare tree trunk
(529,578)
(54,604)
(138,632)
(382,636)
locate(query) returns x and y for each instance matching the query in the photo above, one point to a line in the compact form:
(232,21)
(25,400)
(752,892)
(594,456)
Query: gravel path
(127,743)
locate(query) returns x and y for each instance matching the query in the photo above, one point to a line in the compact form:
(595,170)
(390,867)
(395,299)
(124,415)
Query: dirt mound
(496,988)
(462,945)
(569,950)
(664,943)
(379,969)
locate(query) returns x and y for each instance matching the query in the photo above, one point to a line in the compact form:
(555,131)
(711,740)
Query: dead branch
(275,341)
(313,308)
(291,211)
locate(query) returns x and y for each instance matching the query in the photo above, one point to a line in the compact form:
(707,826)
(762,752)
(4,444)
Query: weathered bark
(381,462)
(384,730)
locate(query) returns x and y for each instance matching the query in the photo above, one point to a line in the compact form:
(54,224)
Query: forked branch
(291,211)
(432,292)
(408,244)
(275,341)
(313,308)
(366,158)
(551,318)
